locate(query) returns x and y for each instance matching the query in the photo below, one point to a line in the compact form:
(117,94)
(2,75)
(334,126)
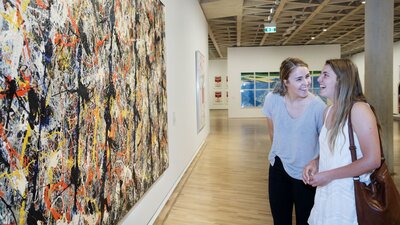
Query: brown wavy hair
(287,66)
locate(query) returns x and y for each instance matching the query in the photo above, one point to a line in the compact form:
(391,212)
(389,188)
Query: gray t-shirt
(295,141)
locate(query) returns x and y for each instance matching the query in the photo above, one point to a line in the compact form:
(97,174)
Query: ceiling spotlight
(324,29)
(312,38)
(363,2)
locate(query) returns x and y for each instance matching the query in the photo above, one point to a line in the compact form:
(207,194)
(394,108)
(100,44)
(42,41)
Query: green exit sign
(269,29)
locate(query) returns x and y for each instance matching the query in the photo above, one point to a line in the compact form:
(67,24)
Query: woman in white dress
(333,171)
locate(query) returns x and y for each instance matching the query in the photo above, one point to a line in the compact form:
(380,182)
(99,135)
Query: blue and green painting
(256,85)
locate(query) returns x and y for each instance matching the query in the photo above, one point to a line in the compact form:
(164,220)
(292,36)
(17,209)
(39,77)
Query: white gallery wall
(359,60)
(186,32)
(218,68)
(268,59)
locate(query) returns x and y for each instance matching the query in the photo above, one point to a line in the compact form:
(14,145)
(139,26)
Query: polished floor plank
(227,181)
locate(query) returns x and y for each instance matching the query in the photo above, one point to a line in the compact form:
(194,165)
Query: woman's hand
(309,170)
(320,179)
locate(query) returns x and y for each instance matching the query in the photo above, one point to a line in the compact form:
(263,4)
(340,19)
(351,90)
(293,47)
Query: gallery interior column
(379,67)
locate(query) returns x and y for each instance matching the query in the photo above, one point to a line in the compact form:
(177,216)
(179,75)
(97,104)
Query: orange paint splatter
(89,177)
(12,152)
(101,42)
(41,4)
(20,20)
(47,193)
(55,214)
(28,50)
(64,40)
(74,25)
(23,87)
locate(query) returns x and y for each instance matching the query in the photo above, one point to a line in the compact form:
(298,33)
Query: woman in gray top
(294,120)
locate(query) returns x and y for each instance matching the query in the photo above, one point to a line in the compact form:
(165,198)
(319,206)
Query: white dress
(334,203)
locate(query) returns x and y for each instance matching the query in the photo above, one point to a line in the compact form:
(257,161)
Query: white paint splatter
(53,160)
(59,13)
(19,181)
(11,43)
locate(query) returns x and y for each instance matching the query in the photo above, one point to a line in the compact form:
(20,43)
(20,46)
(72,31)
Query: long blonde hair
(287,66)
(348,90)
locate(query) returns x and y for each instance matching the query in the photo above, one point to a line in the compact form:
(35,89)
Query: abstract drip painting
(83,116)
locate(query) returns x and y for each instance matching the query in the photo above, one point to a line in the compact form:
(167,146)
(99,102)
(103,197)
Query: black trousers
(284,191)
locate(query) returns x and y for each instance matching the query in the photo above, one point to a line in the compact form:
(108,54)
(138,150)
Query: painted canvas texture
(200,90)
(83,117)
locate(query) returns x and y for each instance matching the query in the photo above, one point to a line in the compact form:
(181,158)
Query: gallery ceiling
(233,23)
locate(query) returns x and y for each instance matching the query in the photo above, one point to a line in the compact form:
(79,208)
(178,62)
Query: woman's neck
(295,99)
(296,105)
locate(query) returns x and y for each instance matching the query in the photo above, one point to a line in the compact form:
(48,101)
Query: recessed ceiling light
(312,38)
(363,2)
(324,29)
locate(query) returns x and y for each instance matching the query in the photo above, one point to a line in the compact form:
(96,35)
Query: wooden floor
(227,182)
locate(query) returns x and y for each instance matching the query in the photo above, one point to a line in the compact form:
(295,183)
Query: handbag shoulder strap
(352,146)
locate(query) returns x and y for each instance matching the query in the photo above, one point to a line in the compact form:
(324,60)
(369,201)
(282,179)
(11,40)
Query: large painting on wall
(256,85)
(200,90)
(83,117)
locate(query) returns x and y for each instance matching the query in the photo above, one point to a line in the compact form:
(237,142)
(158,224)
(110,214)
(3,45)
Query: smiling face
(327,82)
(298,83)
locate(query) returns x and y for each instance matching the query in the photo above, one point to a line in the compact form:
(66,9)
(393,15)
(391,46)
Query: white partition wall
(186,32)
(268,59)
